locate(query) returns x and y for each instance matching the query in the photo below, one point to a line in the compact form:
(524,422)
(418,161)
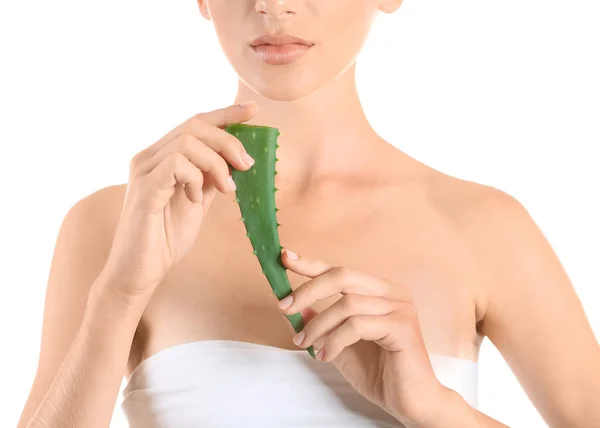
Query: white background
(503,93)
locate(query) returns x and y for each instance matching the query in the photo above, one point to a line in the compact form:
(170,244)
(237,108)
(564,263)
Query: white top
(226,384)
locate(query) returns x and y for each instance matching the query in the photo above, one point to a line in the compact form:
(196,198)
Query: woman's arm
(81,336)
(84,392)
(533,315)
(455,412)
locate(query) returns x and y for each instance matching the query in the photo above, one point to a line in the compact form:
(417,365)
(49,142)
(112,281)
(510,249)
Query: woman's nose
(276,9)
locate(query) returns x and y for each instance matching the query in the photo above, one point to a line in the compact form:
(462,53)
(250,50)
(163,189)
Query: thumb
(237,113)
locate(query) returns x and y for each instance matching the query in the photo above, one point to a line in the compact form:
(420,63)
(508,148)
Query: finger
(303,265)
(175,169)
(236,113)
(339,312)
(205,127)
(202,156)
(345,281)
(314,268)
(223,145)
(307,315)
(379,329)
(209,190)
(221,141)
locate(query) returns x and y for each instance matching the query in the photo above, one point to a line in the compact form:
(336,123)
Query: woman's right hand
(171,186)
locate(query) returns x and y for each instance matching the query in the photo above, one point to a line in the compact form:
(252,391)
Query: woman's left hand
(371,334)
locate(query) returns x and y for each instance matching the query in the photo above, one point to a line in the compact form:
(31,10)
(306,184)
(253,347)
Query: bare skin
(475,262)
(360,222)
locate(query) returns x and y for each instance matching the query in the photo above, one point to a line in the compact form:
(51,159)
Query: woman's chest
(218,291)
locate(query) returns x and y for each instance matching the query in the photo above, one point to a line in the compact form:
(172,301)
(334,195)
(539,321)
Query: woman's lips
(280,54)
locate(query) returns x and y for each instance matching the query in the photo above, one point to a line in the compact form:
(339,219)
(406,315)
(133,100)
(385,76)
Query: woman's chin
(283,89)
(282,94)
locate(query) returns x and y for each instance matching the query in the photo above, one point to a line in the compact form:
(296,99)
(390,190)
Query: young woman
(402,270)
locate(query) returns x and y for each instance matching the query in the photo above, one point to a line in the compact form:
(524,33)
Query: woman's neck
(324,134)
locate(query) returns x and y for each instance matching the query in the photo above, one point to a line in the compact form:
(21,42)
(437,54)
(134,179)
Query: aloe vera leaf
(255,195)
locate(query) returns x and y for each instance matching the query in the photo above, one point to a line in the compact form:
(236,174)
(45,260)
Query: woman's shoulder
(488,217)
(503,239)
(470,207)
(100,207)
(108,196)
(471,204)
(93,220)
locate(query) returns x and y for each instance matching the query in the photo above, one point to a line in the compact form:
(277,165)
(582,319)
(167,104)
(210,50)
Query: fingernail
(247,104)
(291,254)
(299,338)
(286,302)
(321,354)
(231,182)
(247,159)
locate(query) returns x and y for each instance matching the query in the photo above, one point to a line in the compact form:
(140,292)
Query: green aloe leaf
(255,195)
